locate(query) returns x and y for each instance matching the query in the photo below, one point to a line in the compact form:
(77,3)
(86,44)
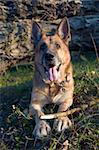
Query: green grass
(16,76)
(16,130)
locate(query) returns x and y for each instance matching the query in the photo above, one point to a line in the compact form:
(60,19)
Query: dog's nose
(49,56)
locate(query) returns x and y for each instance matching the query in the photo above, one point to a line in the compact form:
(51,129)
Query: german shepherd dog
(53,81)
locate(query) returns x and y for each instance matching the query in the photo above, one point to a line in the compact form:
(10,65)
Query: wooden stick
(66,113)
(60,114)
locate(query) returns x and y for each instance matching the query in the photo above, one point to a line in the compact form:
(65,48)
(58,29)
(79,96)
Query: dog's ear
(64,30)
(36,33)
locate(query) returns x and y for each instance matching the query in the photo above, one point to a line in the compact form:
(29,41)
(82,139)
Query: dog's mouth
(53,72)
(52,67)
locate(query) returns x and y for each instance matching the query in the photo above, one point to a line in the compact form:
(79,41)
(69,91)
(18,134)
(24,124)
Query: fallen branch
(69,112)
(60,114)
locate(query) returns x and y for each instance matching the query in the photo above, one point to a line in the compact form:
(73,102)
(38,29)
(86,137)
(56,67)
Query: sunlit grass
(16,76)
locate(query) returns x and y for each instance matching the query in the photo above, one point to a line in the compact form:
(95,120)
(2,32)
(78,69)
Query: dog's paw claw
(41,129)
(62,123)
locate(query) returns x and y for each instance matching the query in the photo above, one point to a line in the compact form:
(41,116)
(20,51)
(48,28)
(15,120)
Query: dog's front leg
(63,123)
(42,128)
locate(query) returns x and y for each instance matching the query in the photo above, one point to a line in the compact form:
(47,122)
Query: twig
(60,114)
(66,113)
(28,117)
(93,41)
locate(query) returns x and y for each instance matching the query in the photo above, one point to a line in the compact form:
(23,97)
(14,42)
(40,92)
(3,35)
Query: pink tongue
(53,74)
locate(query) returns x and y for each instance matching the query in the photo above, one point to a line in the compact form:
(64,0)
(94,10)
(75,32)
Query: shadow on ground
(14,95)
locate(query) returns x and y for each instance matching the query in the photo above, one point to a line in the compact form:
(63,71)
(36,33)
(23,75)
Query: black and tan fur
(51,86)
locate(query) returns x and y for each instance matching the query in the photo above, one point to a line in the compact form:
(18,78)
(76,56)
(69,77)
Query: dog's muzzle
(52,66)
(50,60)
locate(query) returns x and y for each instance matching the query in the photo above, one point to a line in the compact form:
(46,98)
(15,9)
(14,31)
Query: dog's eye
(43,46)
(57,45)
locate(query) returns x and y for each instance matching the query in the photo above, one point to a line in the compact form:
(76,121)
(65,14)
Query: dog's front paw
(41,129)
(62,123)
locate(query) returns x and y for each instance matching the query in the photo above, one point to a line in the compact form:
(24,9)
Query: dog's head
(52,51)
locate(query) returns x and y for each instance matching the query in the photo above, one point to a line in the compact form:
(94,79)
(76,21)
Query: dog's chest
(58,93)
(55,93)
(53,90)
